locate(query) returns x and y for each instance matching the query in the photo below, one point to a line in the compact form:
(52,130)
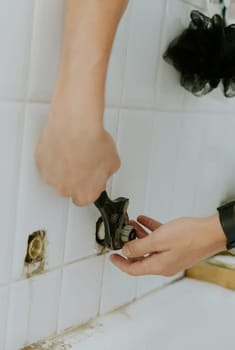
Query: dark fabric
(204,54)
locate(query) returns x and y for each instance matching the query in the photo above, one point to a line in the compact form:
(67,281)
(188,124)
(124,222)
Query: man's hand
(76,158)
(172,247)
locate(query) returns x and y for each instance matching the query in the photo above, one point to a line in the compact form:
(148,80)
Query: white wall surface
(177,159)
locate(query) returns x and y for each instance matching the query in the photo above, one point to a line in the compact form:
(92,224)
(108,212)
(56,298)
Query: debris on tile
(49,345)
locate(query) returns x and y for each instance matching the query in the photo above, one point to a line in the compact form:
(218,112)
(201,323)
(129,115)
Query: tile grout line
(7,317)
(74,330)
(31,48)
(162,39)
(111,192)
(101,284)
(29,310)
(176,158)
(8,284)
(22,143)
(58,313)
(197,181)
(26,93)
(128,29)
(133,107)
(56,268)
(147,185)
(61,268)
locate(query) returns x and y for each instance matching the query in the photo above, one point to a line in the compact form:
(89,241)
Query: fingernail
(126,251)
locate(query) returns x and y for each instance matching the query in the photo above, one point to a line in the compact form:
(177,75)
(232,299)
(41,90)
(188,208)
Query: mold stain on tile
(77,335)
(72,336)
(49,345)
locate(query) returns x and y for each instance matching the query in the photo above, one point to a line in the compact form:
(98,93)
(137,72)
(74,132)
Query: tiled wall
(177,159)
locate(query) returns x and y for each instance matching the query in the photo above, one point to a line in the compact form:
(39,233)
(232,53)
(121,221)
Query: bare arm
(74,153)
(90,27)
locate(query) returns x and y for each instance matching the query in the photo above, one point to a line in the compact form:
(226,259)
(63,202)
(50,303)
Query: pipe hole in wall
(34,262)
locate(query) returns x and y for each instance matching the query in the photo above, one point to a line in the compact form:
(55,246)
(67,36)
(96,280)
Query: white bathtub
(186,315)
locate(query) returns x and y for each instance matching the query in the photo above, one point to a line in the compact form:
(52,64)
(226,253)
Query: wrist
(81,100)
(83,68)
(214,237)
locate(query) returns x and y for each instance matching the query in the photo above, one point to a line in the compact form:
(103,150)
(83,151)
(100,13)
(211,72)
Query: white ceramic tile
(143,53)
(118,288)
(189,164)
(115,76)
(223,145)
(17,325)
(186,315)
(170,94)
(146,284)
(39,206)
(80,236)
(218,170)
(207,194)
(44,305)
(164,159)
(11,121)
(80,292)
(4,298)
(15,33)
(134,144)
(47,40)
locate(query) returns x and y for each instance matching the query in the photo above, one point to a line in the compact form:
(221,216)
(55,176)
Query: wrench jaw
(112,228)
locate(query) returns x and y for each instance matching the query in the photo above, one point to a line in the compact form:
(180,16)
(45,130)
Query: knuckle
(77,201)
(86,196)
(63,192)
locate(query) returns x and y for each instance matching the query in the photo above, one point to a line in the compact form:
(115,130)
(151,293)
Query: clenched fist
(76,158)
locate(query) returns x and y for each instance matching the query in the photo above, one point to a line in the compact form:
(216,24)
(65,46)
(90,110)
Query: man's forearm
(75,154)
(90,26)
(89,30)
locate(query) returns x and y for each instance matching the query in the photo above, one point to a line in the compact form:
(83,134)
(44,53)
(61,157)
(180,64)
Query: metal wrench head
(112,228)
